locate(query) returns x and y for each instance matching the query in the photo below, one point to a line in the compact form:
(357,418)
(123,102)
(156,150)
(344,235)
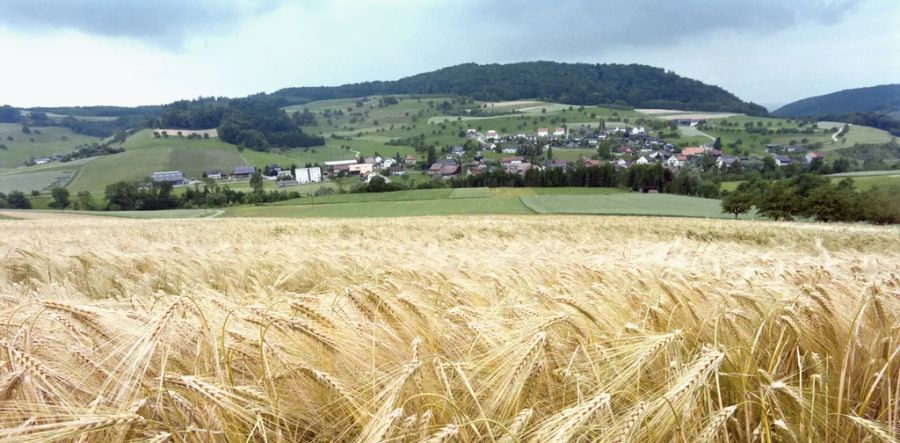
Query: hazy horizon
(100,52)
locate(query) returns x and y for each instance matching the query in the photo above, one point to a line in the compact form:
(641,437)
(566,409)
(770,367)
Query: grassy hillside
(361,126)
(594,201)
(626,204)
(43,141)
(145,154)
(863,180)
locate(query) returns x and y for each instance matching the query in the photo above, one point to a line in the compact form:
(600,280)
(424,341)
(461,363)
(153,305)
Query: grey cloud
(166,22)
(529,29)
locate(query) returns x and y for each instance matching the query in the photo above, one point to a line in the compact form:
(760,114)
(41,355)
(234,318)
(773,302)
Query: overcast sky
(85,52)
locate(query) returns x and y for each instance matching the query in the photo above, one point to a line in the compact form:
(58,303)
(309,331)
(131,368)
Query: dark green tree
(256,182)
(737,203)
(85,201)
(60,197)
(779,202)
(18,200)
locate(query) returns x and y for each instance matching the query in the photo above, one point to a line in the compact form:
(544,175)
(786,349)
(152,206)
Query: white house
(543,132)
(388,162)
(676,161)
(642,161)
(783,160)
(509,150)
(492,134)
(308,175)
(559,132)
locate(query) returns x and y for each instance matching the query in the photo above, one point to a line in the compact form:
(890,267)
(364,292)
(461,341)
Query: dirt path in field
(838,132)
(25,214)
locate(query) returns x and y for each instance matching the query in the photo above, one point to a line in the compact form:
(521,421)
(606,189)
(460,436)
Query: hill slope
(883,99)
(577,84)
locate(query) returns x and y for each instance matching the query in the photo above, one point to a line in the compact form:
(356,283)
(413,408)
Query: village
(622,147)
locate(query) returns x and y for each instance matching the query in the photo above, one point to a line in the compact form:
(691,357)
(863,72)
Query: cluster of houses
(639,148)
(285,177)
(365,166)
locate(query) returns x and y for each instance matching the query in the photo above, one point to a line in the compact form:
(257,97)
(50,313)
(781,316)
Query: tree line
(811,196)
(133,196)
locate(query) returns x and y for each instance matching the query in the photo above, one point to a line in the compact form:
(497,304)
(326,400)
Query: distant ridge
(638,86)
(881,99)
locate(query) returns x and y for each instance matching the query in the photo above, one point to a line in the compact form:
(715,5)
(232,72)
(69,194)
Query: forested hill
(636,86)
(881,99)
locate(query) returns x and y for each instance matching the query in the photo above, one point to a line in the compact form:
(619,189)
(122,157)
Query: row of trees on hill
(133,196)
(637,178)
(254,123)
(815,197)
(578,84)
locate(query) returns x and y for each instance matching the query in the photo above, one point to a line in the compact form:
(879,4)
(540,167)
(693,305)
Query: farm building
(173,177)
(444,168)
(308,175)
(243,171)
(339,162)
(556,164)
(272,170)
(361,168)
(694,150)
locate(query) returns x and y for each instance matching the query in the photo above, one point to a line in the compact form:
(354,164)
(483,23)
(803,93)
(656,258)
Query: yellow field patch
(538,328)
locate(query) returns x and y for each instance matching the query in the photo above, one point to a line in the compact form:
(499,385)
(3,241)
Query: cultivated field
(448,329)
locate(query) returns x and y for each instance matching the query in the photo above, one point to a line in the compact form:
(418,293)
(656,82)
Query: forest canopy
(254,122)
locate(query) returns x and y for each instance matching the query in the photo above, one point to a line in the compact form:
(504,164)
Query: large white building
(308,175)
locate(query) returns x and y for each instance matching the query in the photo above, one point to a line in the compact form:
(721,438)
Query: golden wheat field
(499,329)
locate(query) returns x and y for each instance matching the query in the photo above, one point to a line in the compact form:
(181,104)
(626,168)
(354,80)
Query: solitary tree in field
(85,201)
(60,197)
(737,203)
(256,182)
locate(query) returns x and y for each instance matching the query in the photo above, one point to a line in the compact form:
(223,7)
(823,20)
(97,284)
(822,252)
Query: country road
(839,131)
(690,131)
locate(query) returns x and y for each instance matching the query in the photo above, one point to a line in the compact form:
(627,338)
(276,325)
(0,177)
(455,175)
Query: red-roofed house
(810,156)
(695,150)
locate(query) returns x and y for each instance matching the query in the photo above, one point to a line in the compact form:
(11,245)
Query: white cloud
(810,47)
